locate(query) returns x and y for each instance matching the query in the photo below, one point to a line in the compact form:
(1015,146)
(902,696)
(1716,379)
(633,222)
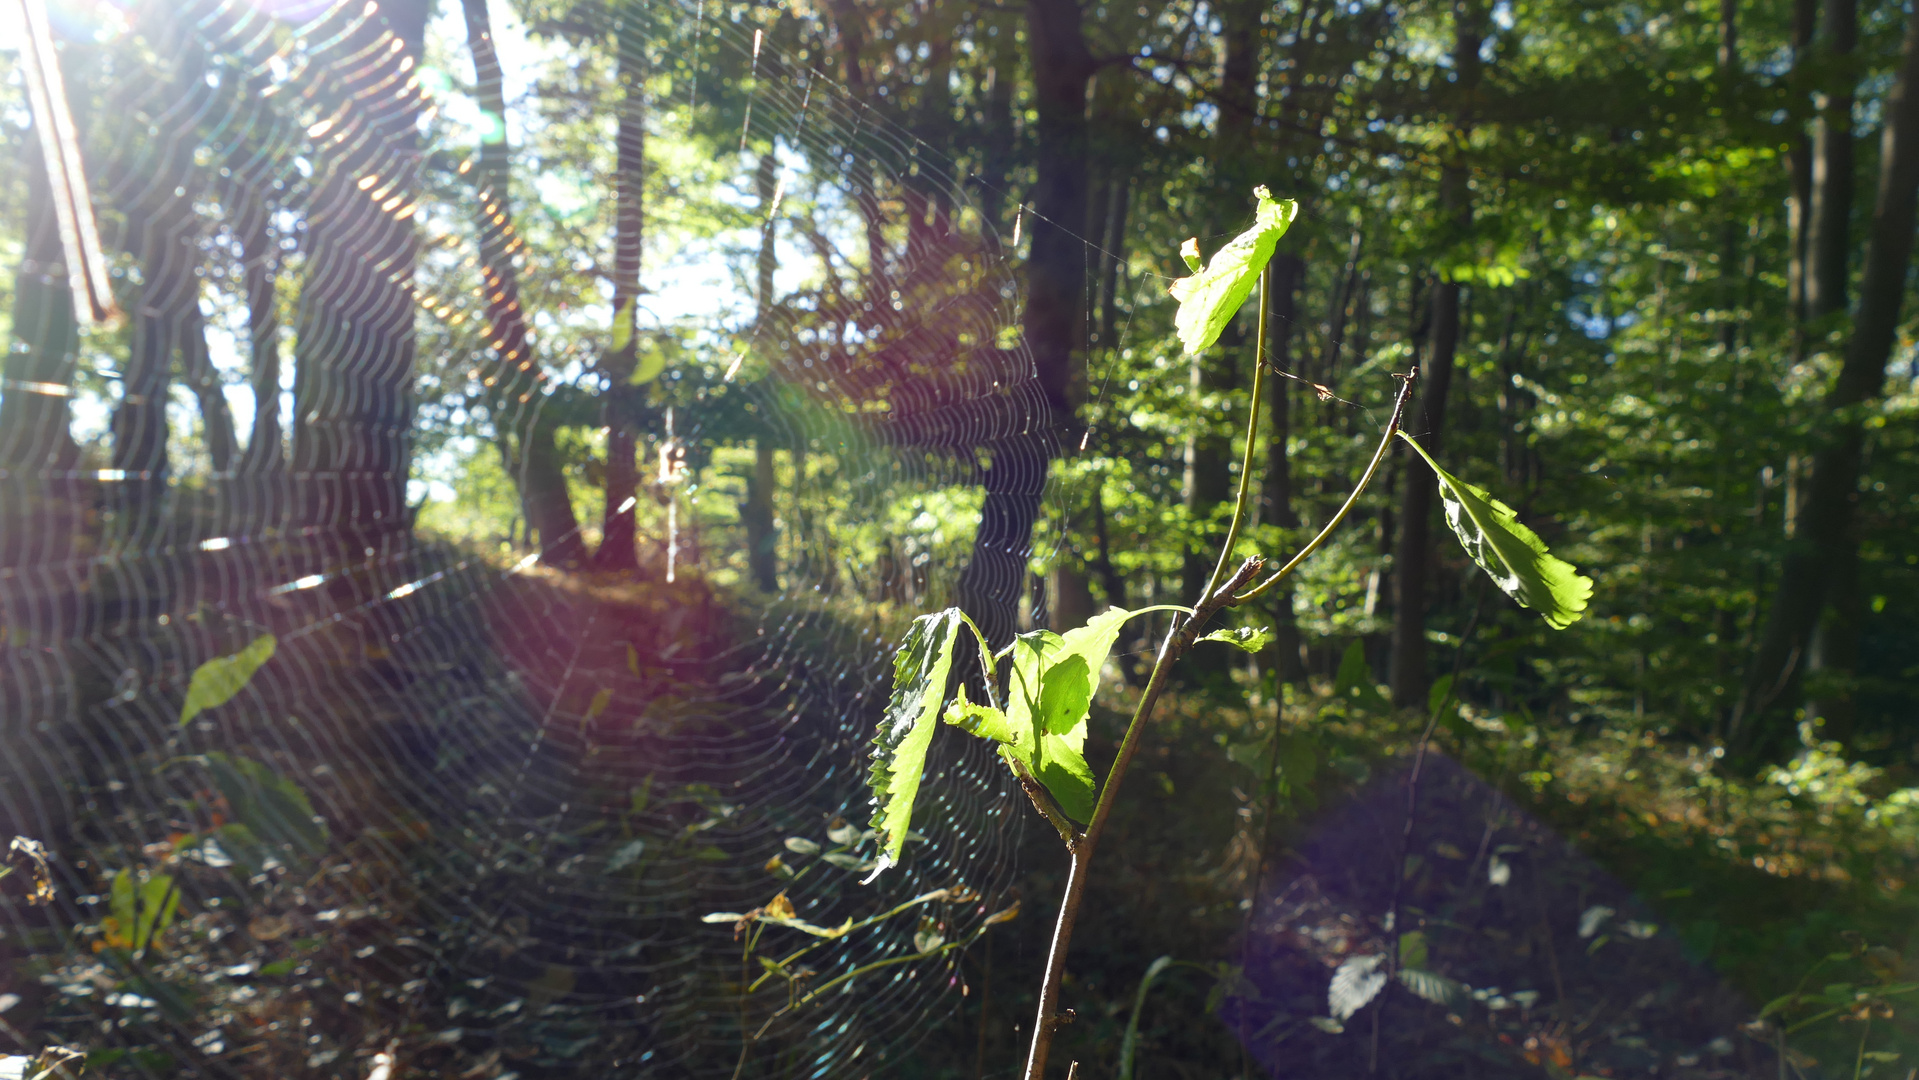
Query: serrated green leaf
(982,720)
(215,682)
(1433,986)
(1249,638)
(1211,297)
(920,671)
(1511,554)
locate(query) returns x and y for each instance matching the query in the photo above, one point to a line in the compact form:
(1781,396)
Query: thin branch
(1379,455)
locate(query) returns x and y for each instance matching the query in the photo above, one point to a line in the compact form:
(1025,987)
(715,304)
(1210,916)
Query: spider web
(535,780)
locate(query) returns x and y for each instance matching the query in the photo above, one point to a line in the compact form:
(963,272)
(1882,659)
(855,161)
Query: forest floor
(536,784)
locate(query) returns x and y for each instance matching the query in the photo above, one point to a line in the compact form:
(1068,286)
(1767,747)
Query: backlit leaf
(982,720)
(1251,639)
(1510,553)
(1064,771)
(920,670)
(1357,982)
(216,681)
(1210,298)
(1434,987)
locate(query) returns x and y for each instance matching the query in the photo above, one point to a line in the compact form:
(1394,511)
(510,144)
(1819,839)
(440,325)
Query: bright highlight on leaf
(216,681)
(1251,639)
(1211,297)
(920,669)
(1510,553)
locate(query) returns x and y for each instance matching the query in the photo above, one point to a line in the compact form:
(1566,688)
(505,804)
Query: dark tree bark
(355,346)
(618,538)
(1288,272)
(757,512)
(1805,17)
(536,468)
(1014,480)
(1829,238)
(265,455)
(1825,543)
(34,421)
(1414,559)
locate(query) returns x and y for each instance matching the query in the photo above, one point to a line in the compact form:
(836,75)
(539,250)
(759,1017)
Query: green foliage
(1245,638)
(920,671)
(1210,298)
(215,682)
(142,907)
(1510,553)
(270,808)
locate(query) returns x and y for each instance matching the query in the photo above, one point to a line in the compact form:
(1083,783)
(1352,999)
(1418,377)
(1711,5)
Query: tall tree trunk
(762,543)
(36,441)
(196,367)
(537,471)
(265,456)
(355,344)
(1826,543)
(1805,17)
(1414,558)
(1014,480)
(1829,240)
(619,539)
(34,420)
(1288,272)
(1833,652)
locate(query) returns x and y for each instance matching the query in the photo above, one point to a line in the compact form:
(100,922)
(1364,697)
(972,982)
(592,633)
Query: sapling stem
(1222,590)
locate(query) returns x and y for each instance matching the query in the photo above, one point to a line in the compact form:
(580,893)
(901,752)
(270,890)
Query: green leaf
(1434,987)
(159,900)
(1510,553)
(1189,251)
(1355,984)
(1354,682)
(1251,639)
(982,720)
(216,681)
(1412,950)
(1065,696)
(1064,771)
(271,806)
(920,671)
(1211,297)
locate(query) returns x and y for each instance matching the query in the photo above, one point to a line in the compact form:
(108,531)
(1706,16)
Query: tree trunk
(355,344)
(1829,240)
(1414,559)
(619,538)
(538,471)
(756,515)
(1015,479)
(1289,271)
(34,421)
(196,367)
(1799,162)
(1826,542)
(265,456)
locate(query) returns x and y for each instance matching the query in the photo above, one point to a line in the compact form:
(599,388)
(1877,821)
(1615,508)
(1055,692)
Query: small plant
(1039,688)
